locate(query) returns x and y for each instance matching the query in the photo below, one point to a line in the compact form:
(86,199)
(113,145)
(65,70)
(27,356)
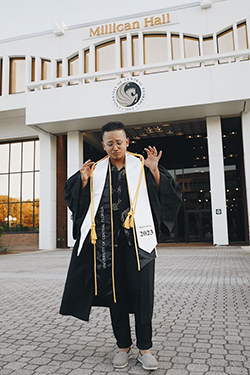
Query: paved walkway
(201,323)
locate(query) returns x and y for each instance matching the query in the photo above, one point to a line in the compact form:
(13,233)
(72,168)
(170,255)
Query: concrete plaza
(201,318)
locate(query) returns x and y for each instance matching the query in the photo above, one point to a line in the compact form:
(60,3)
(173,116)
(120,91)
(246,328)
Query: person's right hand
(85,171)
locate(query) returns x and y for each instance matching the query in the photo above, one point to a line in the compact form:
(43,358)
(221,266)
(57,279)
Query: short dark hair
(113,125)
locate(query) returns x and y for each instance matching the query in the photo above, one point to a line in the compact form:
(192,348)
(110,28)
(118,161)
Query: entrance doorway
(185,156)
(199,226)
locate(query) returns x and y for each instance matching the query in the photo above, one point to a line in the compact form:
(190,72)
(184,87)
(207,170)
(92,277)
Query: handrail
(141,68)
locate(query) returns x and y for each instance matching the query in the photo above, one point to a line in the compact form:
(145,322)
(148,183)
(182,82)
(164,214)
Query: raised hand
(152,162)
(85,171)
(153,157)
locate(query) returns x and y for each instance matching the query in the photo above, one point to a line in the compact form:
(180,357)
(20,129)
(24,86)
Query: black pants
(121,329)
(134,292)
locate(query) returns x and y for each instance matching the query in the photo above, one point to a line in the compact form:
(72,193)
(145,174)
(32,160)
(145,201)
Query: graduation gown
(78,296)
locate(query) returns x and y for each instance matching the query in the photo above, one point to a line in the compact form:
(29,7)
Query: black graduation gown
(78,296)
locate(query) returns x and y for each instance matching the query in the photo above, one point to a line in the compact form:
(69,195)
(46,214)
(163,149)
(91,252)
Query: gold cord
(129,221)
(93,236)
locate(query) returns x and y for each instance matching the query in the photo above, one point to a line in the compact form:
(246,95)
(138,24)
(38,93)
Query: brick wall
(61,208)
(20,240)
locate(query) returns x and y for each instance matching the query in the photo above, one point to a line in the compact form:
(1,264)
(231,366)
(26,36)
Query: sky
(24,17)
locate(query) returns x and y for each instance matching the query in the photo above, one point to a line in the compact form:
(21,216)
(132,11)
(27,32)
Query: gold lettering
(120,27)
(135,25)
(95,32)
(127,26)
(157,21)
(149,21)
(113,28)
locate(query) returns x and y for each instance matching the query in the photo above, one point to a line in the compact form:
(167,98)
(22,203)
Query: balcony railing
(168,66)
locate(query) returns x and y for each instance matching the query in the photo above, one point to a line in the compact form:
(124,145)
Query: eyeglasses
(118,143)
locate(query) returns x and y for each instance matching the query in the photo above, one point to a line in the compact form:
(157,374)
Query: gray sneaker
(148,361)
(121,359)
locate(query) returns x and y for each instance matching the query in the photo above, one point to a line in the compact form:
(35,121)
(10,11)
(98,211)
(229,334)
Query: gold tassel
(129,221)
(93,234)
(126,223)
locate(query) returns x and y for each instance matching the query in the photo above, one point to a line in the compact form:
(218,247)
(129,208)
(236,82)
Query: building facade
(179,79)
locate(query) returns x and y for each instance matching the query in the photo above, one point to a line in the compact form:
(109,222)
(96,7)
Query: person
(119,205)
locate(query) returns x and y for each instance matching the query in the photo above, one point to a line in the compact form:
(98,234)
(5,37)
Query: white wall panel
(217,181)
(47,212)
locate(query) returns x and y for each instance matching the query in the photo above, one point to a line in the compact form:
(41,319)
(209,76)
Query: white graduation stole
(143,220)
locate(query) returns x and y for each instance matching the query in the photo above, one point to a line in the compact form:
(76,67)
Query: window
(33,69)
(17,75)
(175,44)
(225,42)
(155,50)
(73,70)
(19,186)
(208,48)
(46,72)
(234,179)
(86,61)
(175,48)
(191,49)
(123,49)
(105,59)
(86,64)
(242,38)
(59,72)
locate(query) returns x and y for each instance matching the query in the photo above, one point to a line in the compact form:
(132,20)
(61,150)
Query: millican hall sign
(114,27)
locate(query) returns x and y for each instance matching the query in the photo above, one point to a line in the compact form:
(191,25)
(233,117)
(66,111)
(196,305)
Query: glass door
(198,226)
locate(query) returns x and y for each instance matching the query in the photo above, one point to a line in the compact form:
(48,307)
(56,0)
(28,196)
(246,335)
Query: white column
(215,47)
(169,42)
(38,67)
(182,46)
(81,64)
(64,69)
(245,117)
(74,163)
(27,72)
(117,55)
(140,48)
(217,181)
(129,50)
(5,76)
(53,71)
(235,34)
(92,61)
(47,215)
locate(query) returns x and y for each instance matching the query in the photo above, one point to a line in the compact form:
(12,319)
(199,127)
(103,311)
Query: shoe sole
(147,368)
(121,366)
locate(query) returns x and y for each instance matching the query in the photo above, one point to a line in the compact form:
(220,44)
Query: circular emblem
(128,94)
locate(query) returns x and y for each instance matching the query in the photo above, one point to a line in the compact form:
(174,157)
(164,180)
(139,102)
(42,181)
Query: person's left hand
(153,158)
